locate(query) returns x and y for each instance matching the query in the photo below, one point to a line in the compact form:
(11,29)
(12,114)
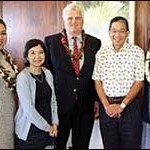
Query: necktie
(75,53)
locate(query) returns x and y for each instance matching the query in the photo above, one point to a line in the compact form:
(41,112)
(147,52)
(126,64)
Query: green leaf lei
(64,41)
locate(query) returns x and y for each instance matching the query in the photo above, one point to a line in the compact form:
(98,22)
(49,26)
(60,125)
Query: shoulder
(93,42)
(22,72)
(53,36)
(104,51)
(90,37)
(23,75)
(135,49)
(105,48)
(138,48)
(47,72)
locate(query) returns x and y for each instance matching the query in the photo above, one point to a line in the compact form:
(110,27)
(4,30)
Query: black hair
(121,19)
(3,23)
(29,44)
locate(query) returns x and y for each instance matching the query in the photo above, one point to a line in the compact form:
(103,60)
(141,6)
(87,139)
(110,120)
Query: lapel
(86,53)
(68,60)
(66,57)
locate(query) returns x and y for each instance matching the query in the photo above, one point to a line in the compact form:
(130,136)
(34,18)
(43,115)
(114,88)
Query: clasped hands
(113,110)
(53,130)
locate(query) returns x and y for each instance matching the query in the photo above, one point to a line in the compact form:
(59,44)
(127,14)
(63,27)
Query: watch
(123,105)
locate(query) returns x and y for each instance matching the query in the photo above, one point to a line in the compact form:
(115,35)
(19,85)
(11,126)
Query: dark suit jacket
(67,86)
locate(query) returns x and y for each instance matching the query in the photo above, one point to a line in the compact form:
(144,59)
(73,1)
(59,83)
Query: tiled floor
(96,141)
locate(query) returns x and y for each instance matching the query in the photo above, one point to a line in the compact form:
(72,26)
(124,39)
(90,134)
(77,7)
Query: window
(99,13)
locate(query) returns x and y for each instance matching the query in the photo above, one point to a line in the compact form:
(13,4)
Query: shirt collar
(79,37)
(125,46)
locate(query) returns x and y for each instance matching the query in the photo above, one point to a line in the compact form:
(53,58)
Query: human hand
(96,109)
(53,130)
(114,110)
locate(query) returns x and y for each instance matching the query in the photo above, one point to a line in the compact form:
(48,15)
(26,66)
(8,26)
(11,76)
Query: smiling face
(73,22)
(118,34)
(3,36)
(36,56)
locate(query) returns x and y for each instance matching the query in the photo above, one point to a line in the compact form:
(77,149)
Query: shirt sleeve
(54,109)
(26,102)
(139,70)
(97,71)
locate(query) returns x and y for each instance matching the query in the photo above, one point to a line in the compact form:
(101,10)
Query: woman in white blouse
(36,120)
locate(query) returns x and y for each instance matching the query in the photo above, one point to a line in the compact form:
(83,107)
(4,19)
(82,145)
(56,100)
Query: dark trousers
(37,139)
(124,132)
(81,124)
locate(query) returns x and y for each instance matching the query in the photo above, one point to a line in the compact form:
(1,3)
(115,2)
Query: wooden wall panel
(60,6)
(1,9)
(30,19)
(148,26)
(36,19)
(141,23)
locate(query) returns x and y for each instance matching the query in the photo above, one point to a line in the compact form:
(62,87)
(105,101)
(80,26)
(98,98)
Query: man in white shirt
(119,75)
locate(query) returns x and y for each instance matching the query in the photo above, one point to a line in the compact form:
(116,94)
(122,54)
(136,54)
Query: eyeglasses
(75,19)
(118,31)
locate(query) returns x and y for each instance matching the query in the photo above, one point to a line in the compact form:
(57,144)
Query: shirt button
(74,90)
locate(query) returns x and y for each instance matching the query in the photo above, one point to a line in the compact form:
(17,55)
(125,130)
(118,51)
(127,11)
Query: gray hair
(73,6)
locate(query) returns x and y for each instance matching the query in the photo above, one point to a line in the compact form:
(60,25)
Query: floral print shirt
(119,70)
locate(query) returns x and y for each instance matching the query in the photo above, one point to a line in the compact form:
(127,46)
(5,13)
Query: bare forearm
(101,94)
(135,89)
